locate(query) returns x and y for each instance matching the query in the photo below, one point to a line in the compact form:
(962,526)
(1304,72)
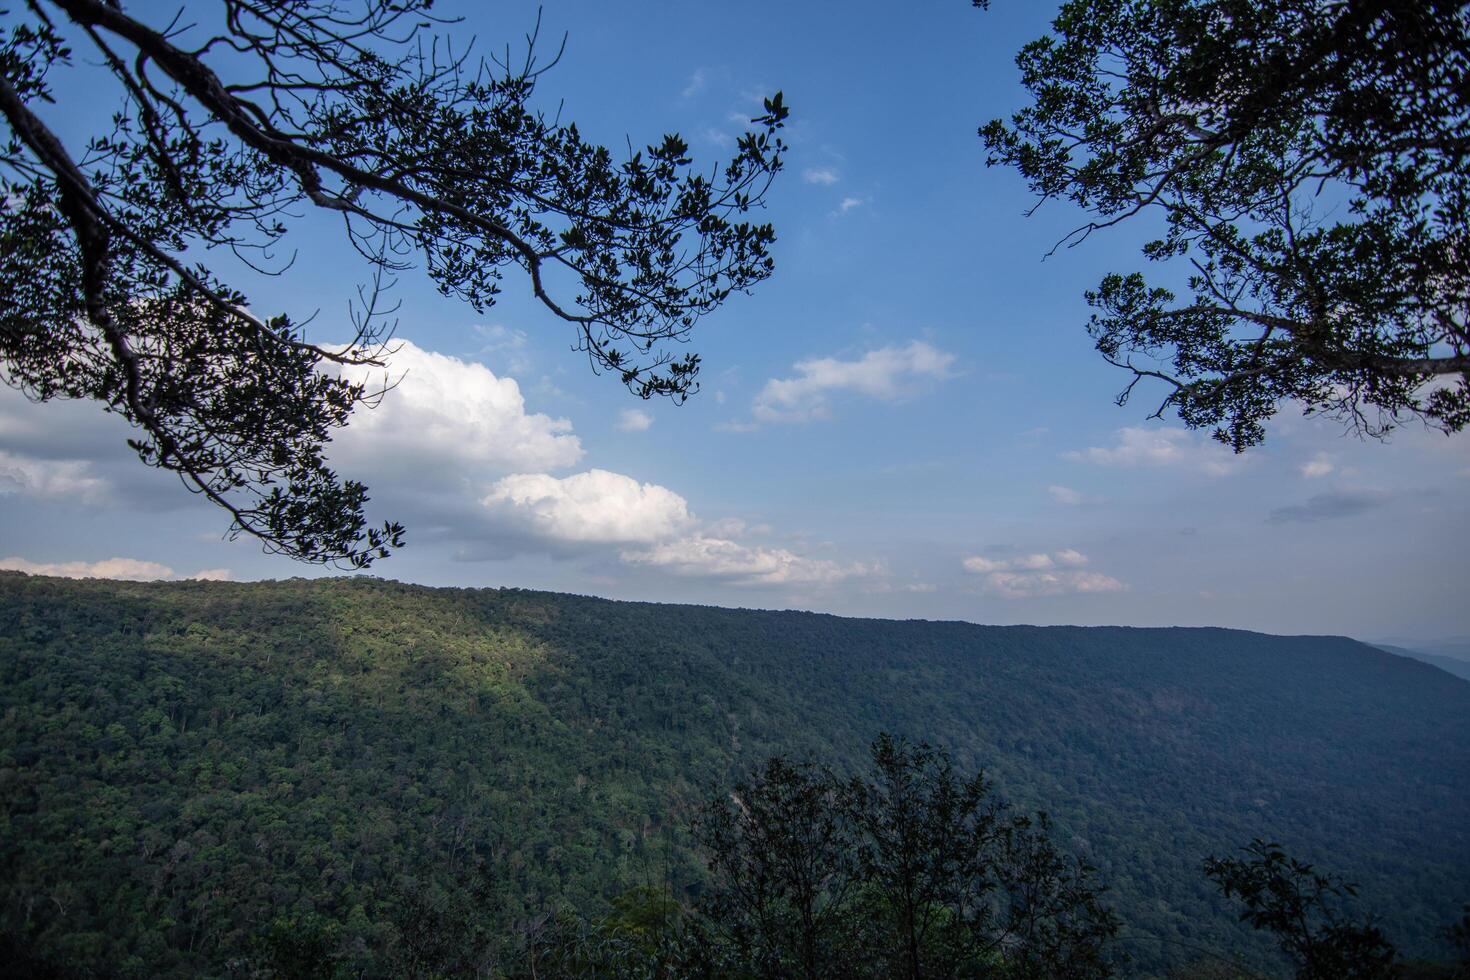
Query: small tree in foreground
(912,871)
(1303,909)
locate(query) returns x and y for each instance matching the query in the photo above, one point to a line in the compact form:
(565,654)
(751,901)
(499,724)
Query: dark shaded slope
(180,763)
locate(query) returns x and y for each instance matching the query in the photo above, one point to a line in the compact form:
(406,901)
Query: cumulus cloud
(850,203)
(1070,557)
(1319,465)
(825,176)
(634,420)
(446,416)
(119,568)
(213,575)
(68,449)
(1332,505)
(1137,447)
(591,513)
(1041,574)
(592,507)
(887,373)
(710,557)
(50,477)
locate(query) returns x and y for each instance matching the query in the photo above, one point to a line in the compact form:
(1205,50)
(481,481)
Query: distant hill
(183,763)
(1448,664)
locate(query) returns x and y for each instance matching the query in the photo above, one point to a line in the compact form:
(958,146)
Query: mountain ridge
(347,722)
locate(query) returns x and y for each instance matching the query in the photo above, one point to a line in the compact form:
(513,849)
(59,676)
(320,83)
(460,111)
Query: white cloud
(71,449)
(887,373)
(1029,585)
(592,507)
(634,420)
(849,203)
(1318,465)
(981,565)
(825,176)
(1037,575)
(50,477)
(710,557)
(1064,495)
(447,417)
(1138,447)
(120,568)
(213,575)
(650,525)
(1069,557)
(695,85)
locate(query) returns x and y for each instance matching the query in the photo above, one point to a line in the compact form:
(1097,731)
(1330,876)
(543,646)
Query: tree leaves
(420,151)
(1307,158)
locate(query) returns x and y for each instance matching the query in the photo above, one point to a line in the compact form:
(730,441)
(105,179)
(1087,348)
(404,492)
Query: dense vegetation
(192,772)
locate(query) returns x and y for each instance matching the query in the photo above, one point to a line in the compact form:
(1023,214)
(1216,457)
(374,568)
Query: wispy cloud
(1065,495)
(634,420)
(507,349)
(1318,466)
(1137,447)
(850,203)
(712,557)
(887,373)
(825,176)
(695,85)
(1041,574)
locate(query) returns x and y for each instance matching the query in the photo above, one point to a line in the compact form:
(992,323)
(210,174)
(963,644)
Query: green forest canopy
(182,764)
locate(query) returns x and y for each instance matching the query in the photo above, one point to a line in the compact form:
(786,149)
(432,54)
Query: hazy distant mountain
(1454,647)
(181,764)
(1451,665)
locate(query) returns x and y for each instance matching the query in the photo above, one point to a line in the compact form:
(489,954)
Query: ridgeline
(184,764)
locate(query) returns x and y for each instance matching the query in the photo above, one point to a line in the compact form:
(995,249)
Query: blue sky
(908,420)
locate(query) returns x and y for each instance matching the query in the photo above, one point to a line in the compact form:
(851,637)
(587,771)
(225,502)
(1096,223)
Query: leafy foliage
(1308,159)
(261,110)
(910,872)
(184,764)
(1300,907)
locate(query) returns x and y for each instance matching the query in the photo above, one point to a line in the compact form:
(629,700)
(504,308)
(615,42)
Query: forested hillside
(184,764)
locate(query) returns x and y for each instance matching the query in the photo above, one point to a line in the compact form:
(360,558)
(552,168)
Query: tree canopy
(1302,908)
(183,764)
(1309,161)
(233,119)
(909,871)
